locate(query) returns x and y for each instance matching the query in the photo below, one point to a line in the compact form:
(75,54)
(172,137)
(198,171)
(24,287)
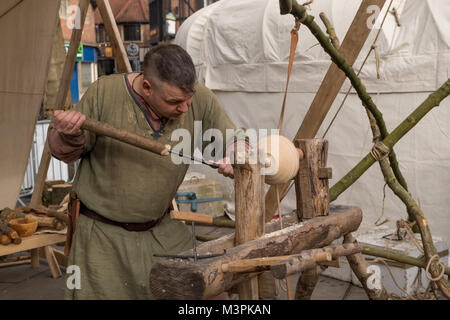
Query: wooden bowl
(25,227)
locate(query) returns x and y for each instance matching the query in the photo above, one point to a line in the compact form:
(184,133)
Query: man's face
(168,100)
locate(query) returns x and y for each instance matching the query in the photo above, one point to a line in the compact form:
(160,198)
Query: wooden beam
(351,46)
(191,216)
(185,279)
(252,265)
(109,21)
(64,85)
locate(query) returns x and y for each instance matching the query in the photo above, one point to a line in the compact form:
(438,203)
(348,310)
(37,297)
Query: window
(101,34)
(131,32)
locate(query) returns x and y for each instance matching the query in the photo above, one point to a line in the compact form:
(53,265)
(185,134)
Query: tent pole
(36,198)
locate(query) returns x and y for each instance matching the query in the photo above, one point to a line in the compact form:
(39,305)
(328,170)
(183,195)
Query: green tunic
(128,184)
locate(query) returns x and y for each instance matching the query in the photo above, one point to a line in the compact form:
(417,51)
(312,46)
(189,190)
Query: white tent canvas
(241,50)
(26,37)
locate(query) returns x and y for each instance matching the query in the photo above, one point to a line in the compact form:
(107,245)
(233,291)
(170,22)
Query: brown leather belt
(130,226)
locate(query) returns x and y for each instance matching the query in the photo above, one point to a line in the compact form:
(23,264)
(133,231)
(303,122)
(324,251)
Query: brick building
(132,18)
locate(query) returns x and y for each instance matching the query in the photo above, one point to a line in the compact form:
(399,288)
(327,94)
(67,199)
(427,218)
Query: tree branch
(300,13)
(403,128)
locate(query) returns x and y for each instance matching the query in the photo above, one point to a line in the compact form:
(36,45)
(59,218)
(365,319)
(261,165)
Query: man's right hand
(68,122)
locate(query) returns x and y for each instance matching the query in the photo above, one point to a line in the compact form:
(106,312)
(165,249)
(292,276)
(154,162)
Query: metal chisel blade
(208,163)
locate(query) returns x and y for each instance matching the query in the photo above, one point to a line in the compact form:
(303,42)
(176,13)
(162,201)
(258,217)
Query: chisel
(208,163)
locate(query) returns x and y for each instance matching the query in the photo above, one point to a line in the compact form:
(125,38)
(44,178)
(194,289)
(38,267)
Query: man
(125,191)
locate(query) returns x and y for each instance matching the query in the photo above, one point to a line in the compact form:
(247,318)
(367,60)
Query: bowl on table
(25,227)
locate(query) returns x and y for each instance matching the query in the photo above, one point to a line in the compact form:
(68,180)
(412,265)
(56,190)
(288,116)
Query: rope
(440,263)
(359,71)
(379,151)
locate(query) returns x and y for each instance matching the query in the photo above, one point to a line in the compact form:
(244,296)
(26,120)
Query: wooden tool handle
(134,139)
(191,216)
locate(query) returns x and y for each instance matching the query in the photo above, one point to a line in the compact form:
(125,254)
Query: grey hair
(170,63)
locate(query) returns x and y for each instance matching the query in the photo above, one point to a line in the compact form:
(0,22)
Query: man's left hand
(225,168)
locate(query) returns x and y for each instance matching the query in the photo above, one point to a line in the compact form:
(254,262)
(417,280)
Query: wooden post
(311,185)
(64,85)
(351,46)
(114,36)
(311,182)
(249,214)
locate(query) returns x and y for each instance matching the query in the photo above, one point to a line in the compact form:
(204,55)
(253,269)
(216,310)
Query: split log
(184,279)
(311,258)
(359,266)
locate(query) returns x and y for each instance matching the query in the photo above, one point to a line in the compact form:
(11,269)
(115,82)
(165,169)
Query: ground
(21,282)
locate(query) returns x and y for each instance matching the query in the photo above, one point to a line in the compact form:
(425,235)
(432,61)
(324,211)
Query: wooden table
(36,242)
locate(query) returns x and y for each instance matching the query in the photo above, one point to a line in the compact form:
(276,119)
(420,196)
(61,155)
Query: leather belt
(129,226)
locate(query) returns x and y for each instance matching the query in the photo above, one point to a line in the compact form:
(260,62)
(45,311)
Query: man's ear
(147,87)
